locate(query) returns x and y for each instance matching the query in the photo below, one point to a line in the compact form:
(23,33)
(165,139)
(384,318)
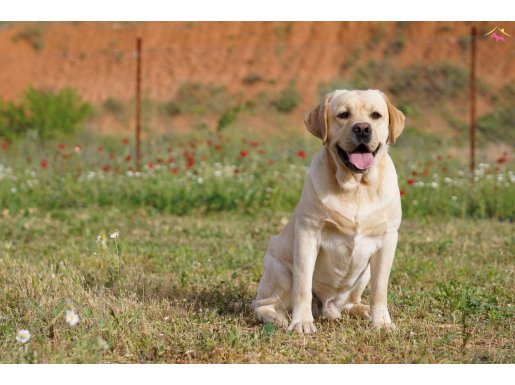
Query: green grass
(180,287)
(194,223)
(219,173)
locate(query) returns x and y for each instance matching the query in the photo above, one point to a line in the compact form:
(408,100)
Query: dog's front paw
(303,327)
(381,320)
(388,326)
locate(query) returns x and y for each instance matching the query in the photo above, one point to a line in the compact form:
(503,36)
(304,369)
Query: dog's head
(356,127)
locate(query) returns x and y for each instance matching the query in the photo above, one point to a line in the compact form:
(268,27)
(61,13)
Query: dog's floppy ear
(317,120)
(395,121)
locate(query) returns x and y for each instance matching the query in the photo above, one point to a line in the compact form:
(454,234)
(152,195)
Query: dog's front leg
(380,266)
(305,251)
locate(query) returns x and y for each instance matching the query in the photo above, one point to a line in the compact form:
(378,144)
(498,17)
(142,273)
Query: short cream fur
(343,233)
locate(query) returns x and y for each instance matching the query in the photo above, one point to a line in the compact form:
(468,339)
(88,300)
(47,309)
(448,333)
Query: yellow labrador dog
(343,232)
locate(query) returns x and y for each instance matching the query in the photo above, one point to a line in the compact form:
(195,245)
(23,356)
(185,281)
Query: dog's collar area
(361,149)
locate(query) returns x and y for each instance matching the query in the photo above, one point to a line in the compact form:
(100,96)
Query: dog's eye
(343,115)
(376,115)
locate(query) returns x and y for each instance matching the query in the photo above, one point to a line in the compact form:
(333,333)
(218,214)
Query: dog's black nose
(362,131)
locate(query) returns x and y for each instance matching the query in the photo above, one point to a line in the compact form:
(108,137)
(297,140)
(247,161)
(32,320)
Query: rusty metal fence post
(138,103)
(473,55)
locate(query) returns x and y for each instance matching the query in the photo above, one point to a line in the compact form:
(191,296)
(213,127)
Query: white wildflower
(200,180)
(114,234)
(72,318)
(434,185)
(102,239)
(13,190)
(454,198)
(218,173)
(23,336)
(102,344)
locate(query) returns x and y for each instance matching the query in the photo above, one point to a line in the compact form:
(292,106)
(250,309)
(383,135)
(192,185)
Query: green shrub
(336,84)
(48,113)
(33,35)
(252,78)
(431,82)
(171,108)
(287,99)
(197,99)
(498,125)
(113,106)
(229,116)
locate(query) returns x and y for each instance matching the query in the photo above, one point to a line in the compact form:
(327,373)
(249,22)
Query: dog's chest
(346,245)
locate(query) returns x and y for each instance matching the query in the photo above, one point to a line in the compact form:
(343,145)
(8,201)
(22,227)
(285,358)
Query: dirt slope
(97,58)
(247,57)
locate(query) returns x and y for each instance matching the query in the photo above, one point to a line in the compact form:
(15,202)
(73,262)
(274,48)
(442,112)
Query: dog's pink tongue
(362,161)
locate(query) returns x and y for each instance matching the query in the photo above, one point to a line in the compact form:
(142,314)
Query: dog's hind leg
(273,296)
(353,305)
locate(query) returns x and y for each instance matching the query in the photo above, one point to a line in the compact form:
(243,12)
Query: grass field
(178,290)
(177,283)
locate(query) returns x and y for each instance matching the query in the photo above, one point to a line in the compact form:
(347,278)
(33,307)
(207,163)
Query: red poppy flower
(174,170)
(411,181)
(254,144)
(100,149)
(150,165)
(301,154)
(209,142)
(44,163)
(403,192)
(270,161)
(5,145)
(218,147)
(190,163)
(125,141)
(244,153)
(501,160)
(62,145)
(106,168)
(414,173)
(128,158)
(426,171)
(261,151)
